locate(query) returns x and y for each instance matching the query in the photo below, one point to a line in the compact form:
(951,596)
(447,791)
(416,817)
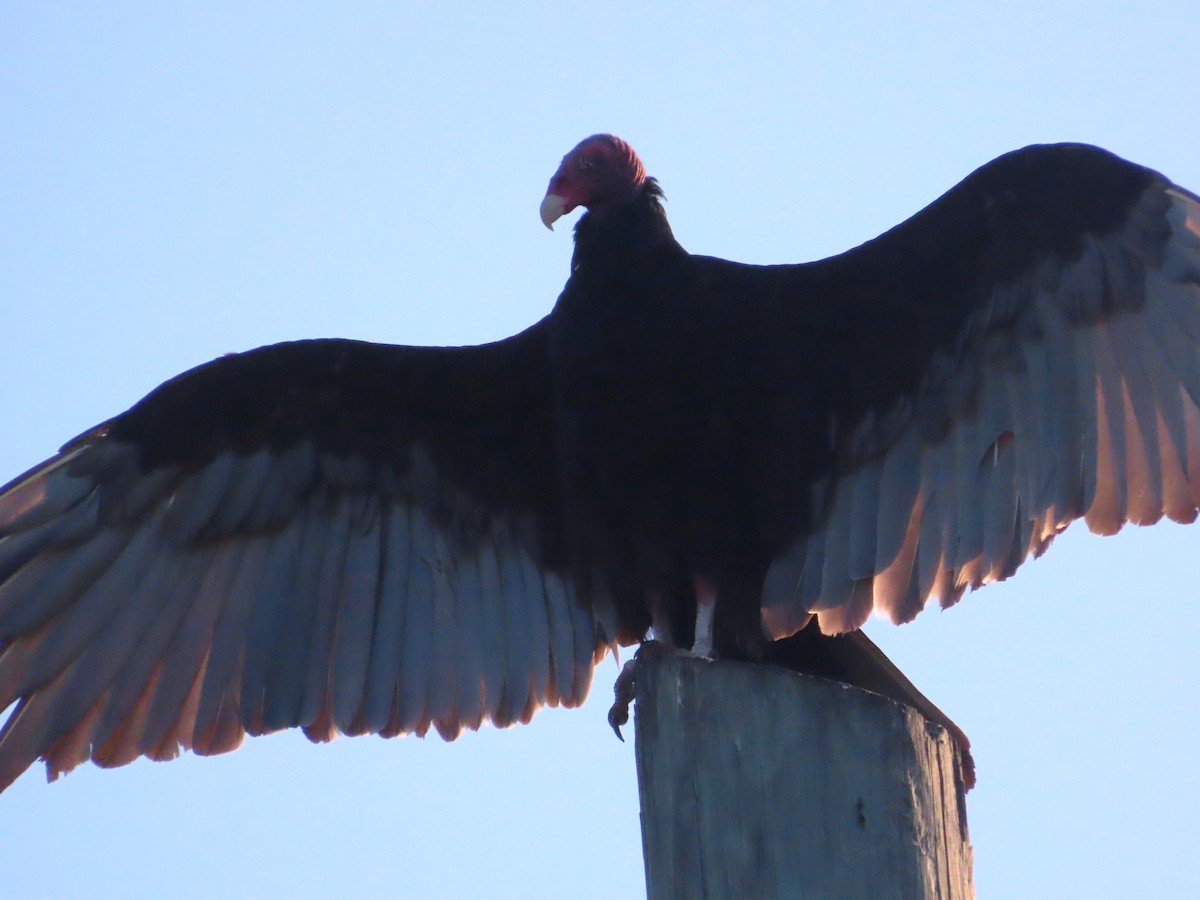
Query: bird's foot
(624,690)
(625,687)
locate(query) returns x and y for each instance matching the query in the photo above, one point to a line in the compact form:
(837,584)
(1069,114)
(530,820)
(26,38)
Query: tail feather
(854,659)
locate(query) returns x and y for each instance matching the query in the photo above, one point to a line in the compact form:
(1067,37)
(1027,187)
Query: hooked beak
(552,208)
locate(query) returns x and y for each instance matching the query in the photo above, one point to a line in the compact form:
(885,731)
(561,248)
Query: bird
(733,460)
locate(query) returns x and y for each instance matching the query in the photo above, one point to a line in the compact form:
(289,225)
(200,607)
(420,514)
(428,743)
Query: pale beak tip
(552,209)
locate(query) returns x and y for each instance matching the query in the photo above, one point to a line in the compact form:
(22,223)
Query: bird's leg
(706,605)
(625,687)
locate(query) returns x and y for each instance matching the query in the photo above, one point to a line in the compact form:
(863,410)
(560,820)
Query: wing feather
(125,628)
(899,486)
(34,659)
(416,650)
(1107,512)
(136,640)
(495,657)
(1054,445)
(810,583)
(383,670)
(834,582)
(517,628)
(194,502)
(967,541)
(277,651)
(340,547)
(257,578)
(1065,384)
(247,484)
(538,658)
(360,594)
(312,652)
(1143,473)
(51,581)
(561,639)
(471,685)
(442,667)
(152,684)
(996,483)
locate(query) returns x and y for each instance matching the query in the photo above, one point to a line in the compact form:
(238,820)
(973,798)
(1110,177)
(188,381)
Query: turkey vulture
(351,537)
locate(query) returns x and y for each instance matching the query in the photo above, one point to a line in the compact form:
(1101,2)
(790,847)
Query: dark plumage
(360,538)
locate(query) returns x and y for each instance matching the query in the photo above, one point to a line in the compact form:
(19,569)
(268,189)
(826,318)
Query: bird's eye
(588,162)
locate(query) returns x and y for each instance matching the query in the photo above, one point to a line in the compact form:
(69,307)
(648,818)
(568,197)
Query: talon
(617,718)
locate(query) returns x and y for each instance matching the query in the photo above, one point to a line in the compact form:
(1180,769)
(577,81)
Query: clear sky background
(182,180)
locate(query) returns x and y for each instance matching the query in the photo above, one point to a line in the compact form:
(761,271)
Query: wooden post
(760,782)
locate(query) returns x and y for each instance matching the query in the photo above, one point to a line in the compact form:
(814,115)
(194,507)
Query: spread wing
(1022,353)
(327,534)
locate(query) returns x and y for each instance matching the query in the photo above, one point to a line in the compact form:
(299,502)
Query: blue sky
(182,182)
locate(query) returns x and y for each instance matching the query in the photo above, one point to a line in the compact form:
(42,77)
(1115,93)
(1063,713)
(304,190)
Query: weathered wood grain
(759,782)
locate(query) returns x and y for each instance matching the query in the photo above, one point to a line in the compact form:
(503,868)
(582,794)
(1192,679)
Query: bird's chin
(552,209)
